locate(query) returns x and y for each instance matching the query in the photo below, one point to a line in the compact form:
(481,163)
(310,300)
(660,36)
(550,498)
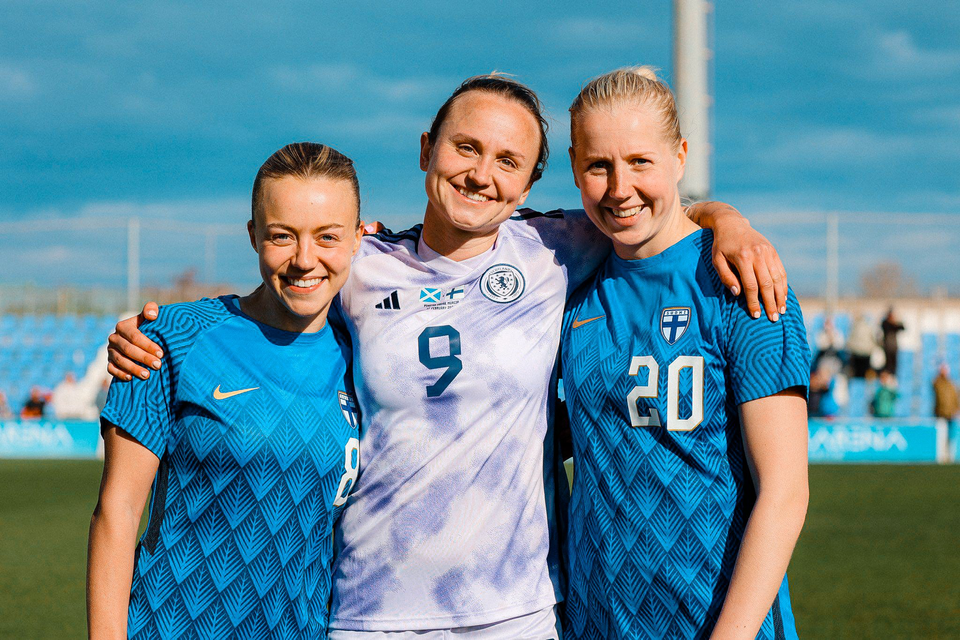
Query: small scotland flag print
(429,295)
(349,408)
(674,322)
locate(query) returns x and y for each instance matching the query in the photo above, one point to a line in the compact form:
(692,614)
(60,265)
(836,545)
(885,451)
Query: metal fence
(110,264)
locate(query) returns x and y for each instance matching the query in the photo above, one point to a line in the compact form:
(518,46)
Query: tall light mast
(691,62)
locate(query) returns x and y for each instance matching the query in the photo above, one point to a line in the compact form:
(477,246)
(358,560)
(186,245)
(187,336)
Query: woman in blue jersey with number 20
(688,418)
(248,438)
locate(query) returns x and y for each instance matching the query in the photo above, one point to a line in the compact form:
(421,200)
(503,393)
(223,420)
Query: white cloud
(201,211)
(16,83)
(947,116)
(901,52)
(328,77)
(853,147)
(606,33)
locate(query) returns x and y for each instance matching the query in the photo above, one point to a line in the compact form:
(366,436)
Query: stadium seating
(40,350)
(917,365)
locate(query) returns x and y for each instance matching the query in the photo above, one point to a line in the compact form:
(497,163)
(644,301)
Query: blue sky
(167,109)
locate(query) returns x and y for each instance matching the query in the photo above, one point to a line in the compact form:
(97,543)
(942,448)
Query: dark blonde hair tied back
(628,85)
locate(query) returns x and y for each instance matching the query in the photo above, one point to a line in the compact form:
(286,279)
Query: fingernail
(783,310)
(756,314)
(735,290)
(155,364)
(775,317)
(158,353)
(144,375)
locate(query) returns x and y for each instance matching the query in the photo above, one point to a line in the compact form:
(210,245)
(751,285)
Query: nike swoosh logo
(577,322)
(219,395)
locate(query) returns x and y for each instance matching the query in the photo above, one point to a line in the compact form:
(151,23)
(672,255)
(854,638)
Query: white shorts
(539,625)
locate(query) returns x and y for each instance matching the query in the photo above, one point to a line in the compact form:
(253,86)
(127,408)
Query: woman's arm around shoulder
(738,249)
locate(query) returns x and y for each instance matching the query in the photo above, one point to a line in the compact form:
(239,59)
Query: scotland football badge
(349,408)
(674,322)
(502,283)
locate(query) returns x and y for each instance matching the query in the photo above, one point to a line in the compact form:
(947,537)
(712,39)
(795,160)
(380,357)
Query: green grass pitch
(879,556)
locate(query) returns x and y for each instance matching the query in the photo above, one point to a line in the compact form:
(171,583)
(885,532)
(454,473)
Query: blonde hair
(306,160)
(637,85)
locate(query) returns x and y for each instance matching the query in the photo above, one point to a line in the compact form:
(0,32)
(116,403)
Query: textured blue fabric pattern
(256,430)
(656,356)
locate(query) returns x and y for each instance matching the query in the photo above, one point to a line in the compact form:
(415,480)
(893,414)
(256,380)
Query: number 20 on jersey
(652,389)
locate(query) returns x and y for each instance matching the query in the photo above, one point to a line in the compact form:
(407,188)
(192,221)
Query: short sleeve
(765,357)
(144,408)
(578,245)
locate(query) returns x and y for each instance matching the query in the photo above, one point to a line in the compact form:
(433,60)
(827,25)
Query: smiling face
(627,172)
(478,170)
(305,233)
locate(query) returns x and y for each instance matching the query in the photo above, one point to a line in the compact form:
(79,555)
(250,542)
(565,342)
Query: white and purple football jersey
(454,365)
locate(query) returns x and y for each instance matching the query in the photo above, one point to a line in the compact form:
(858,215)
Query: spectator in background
(946,403)
(101,399)
(863,347)
(829,392)
(68,399)
(830,343)
(945,400)
(35,406)
(890,326)
(885,400)
(5,412)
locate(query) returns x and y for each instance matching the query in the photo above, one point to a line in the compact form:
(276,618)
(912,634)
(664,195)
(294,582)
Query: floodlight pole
(833,263)
(210,255)
(691,59)
(133,264)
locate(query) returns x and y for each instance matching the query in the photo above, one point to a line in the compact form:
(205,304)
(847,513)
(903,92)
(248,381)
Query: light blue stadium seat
(68,324)
(842,322)
(952,355)
(40,350)
(932,357)
(907,383)
(8,324)
(859,399)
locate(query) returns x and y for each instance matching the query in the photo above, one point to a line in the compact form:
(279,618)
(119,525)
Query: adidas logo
(390,302)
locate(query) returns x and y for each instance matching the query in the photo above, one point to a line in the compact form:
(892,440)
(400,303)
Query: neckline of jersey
(656,263)
(442,263)
(232,304)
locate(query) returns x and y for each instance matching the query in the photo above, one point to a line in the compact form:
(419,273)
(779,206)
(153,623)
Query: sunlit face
(627,173)
(479,168)
(305,235)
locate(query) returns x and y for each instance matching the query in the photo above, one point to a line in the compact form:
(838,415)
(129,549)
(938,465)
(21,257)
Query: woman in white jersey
(456,325)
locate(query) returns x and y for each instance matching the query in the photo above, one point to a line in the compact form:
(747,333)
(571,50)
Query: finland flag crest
(349,408)
(674,322)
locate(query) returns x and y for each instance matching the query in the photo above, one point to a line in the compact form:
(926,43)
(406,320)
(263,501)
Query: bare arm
(775,442)
(737,245)
(128,472)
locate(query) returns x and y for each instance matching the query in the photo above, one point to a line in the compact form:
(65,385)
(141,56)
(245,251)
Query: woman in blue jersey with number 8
(688,418)
(249,437)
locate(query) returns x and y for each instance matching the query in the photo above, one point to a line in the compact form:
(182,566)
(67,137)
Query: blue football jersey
(656,357)
(256,430)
